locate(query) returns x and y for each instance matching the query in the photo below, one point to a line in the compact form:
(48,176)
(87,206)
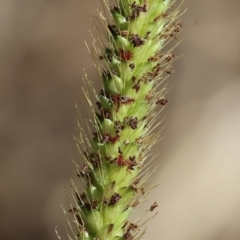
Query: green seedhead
(133,67)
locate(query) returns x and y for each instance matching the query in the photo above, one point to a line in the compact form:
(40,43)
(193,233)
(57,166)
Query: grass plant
(133,66)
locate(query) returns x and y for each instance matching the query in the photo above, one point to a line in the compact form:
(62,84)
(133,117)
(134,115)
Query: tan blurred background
(42,53)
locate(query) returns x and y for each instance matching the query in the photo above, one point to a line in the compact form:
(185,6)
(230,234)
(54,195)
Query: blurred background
(42,53)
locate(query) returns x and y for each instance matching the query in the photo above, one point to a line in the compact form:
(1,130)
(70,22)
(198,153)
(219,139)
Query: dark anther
(73,210)
(134,204)
(168,72)
(132,227)
(169,57)
(155,58)
(145,117)
(118,126)
(153,206)
(133,122)
(83,198)
(136,9)
(108,158)
(112,161)
(125,55)
(106,113)
(136,181)
(114,71)
(105,138)
(95,135)
(98,105)
(166,14)
(120,151)
(118,99)
(96,160)
(105,201)
(162,101)
(128,236)
(149,98)
(177,28)
(134,188)
(156,70)
(114,199)
(113,29)
(85,170)
(79,220)
(132,66)
(110,57)
(136,87)
(108,138)
(137,41)
(117,9)
(101,92)
(132,163)
(91,205)
(126,100)
(142,191)
(132,158)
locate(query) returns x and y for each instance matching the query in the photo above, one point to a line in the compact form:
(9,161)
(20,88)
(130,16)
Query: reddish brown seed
(120,161)
(125,55)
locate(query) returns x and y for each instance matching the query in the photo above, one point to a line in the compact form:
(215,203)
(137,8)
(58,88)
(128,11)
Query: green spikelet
(132,67)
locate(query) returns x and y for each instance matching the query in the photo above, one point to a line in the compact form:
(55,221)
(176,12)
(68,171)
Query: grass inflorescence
(133,67)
